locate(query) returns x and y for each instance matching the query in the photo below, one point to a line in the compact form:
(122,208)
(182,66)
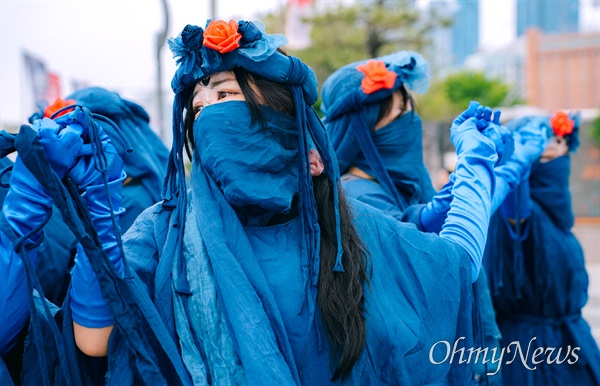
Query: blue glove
(26,207)
(529,141)
(468,218)
(27,203)
(87,304)
(433,215)
(502,137)
(61,146)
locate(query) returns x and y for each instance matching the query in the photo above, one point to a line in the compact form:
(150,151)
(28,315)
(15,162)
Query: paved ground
(589,237)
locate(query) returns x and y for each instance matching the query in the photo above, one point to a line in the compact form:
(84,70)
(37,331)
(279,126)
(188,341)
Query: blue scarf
(259,178)
(549,184)
(259,173)
(351,115)
(400,148)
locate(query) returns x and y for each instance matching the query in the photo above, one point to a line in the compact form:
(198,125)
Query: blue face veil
(220,192)
(392,154)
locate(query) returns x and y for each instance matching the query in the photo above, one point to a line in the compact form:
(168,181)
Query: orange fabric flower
(221,36)
(58,104)
(377,76)
(561,124)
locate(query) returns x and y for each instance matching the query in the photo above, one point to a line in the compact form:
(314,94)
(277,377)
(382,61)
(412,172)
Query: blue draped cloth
(546,302)
(405,313)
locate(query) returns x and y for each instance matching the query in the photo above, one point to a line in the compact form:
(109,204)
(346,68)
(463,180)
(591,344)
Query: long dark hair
(340,294)
(385,106)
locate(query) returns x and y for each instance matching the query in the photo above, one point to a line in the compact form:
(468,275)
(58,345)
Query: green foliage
(435,105)
(463,87)
(344,33)
(595,130)
(448,98)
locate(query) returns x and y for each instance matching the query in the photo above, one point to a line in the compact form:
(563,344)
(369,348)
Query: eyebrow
(215,84)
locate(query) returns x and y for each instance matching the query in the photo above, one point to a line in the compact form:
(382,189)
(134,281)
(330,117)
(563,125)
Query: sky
(110,43)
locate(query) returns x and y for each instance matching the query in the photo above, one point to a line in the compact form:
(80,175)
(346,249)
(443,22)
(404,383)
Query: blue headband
(342,91)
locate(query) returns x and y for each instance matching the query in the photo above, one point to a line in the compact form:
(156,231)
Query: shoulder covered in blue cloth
(419,295)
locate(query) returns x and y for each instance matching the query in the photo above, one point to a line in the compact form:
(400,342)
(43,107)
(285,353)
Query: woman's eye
(226,94)
(197,110)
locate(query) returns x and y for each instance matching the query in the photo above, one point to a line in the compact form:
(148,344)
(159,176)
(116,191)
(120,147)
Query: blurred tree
(344,33)
(451,96)
(595,130)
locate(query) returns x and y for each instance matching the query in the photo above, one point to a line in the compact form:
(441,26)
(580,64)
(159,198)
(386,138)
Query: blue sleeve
(371,193)
(141,243)
(14,307)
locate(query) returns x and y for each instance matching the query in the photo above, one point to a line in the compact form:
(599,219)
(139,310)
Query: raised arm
(470,209)
(93,323)
(25,209)
(529,143)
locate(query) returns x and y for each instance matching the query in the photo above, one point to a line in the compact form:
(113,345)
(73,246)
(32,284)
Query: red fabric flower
(221,36)
(561,124)
(377,76)
(58,104)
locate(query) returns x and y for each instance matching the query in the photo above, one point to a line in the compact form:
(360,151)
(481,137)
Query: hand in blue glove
(433,214)
(87,304)
(502,137)
(26,206)
(61,143)
(468,218)
(529,141)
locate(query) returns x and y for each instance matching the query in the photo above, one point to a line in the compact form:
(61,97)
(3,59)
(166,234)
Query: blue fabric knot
(297,72)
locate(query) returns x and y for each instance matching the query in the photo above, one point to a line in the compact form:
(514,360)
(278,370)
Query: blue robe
(373,194)
(539,294)
(419,294)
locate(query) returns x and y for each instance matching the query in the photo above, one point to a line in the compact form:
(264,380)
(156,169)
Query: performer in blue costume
(146,168)
(537,272)
(263,273)
(377,138)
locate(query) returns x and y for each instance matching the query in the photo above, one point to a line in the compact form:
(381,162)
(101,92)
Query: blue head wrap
(351,112)
(257,53)
(149,157)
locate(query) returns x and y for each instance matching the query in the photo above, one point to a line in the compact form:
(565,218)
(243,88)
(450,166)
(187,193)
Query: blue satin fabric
(147,162)
(540,291)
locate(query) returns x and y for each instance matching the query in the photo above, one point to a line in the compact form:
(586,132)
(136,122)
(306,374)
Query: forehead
(216,80)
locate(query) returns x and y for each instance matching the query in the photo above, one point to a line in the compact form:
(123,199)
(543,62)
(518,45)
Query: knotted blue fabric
(146,165)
